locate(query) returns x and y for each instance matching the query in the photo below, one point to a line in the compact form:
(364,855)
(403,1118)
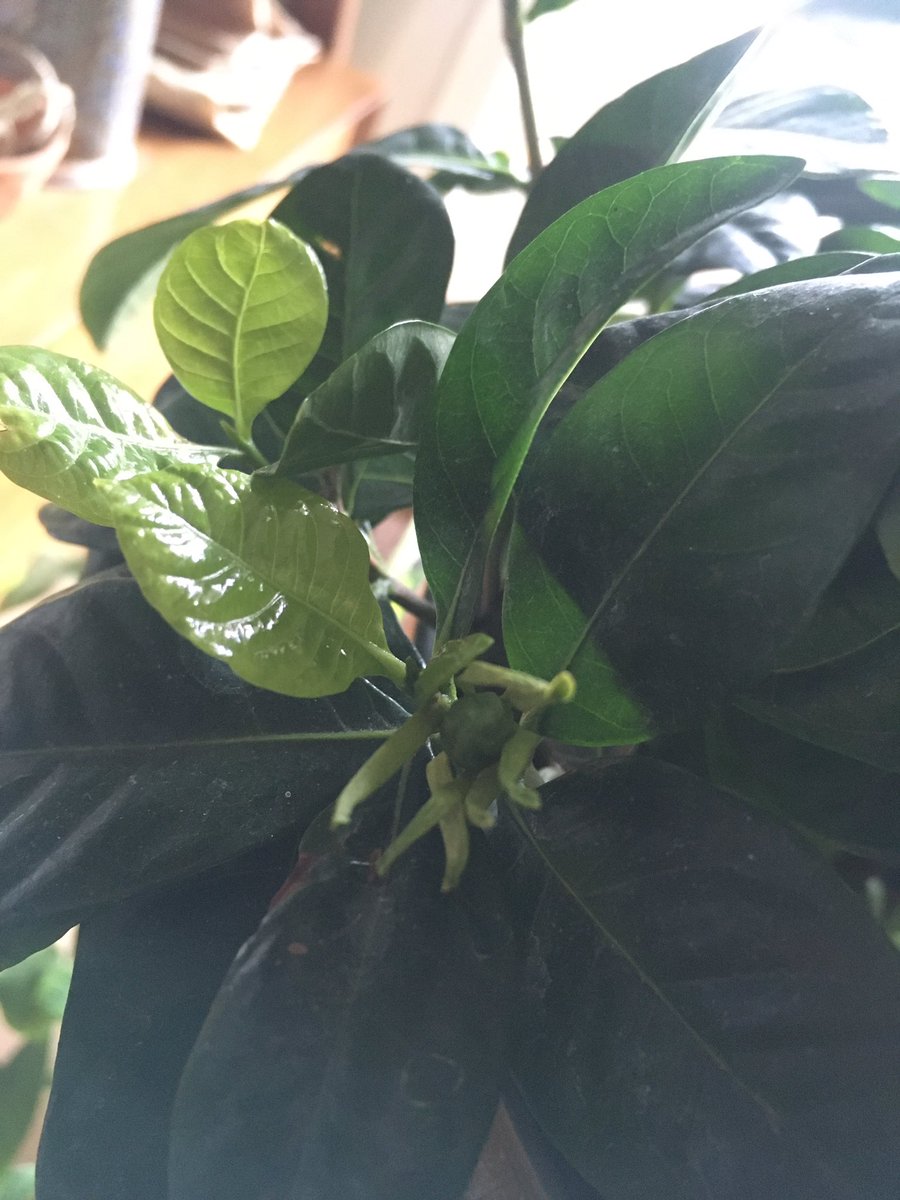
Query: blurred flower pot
(37,116)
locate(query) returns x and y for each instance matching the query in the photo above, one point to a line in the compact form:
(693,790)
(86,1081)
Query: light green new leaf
(240,312)
(65,424)
(122,276)
(260,573)
(370,405)
(528,333)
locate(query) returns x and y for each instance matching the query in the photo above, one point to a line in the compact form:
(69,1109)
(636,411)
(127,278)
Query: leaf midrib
(371,649)
(688,488)
(113,750)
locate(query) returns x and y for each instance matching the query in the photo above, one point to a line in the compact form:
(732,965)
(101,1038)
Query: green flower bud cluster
(467,709)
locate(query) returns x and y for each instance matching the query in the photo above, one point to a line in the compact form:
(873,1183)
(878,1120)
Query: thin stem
(245,444)
(515,45)
(400,594)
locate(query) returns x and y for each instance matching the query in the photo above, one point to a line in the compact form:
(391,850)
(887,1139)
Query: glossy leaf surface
(644,128)
(128,759)
(65,424)
(240,311)
(260,573)
(527,334)
(354,1050)
(704,990)
(686,503)
(385,242)
(146,972)
(838,800)
(371,405)
(122,276)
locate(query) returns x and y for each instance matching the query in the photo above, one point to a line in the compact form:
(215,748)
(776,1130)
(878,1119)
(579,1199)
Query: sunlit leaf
(240,312)
(260,573)
(122,276)
(65,424)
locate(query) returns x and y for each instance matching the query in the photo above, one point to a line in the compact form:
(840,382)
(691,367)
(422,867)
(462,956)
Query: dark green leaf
(862,238)
(860,607)
(840,801)
(22,1079)
(385,241)
(146,972)
(813,266)
(240,311)
(877,264)
(781,228)
(378,486)
(709,1011)
(887,528)
(75,531)
(528,333)
(834,130)
(129,759)
(33,992)
(822,111)
(123,275)
(354,1050)
(64,424)
(850,706)
(260,573)
(687,502)
(372,403)
(646,127)
(449,152)
(541,7)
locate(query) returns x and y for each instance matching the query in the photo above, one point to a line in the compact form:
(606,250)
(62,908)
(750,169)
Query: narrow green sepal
(387,760)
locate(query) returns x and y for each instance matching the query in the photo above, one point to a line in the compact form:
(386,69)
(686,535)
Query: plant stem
(399,593)
(515,45)
(245,444)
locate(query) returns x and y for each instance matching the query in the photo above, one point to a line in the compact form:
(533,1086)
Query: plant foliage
(596,857)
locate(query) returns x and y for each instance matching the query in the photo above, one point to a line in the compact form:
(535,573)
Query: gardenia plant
(592,857)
